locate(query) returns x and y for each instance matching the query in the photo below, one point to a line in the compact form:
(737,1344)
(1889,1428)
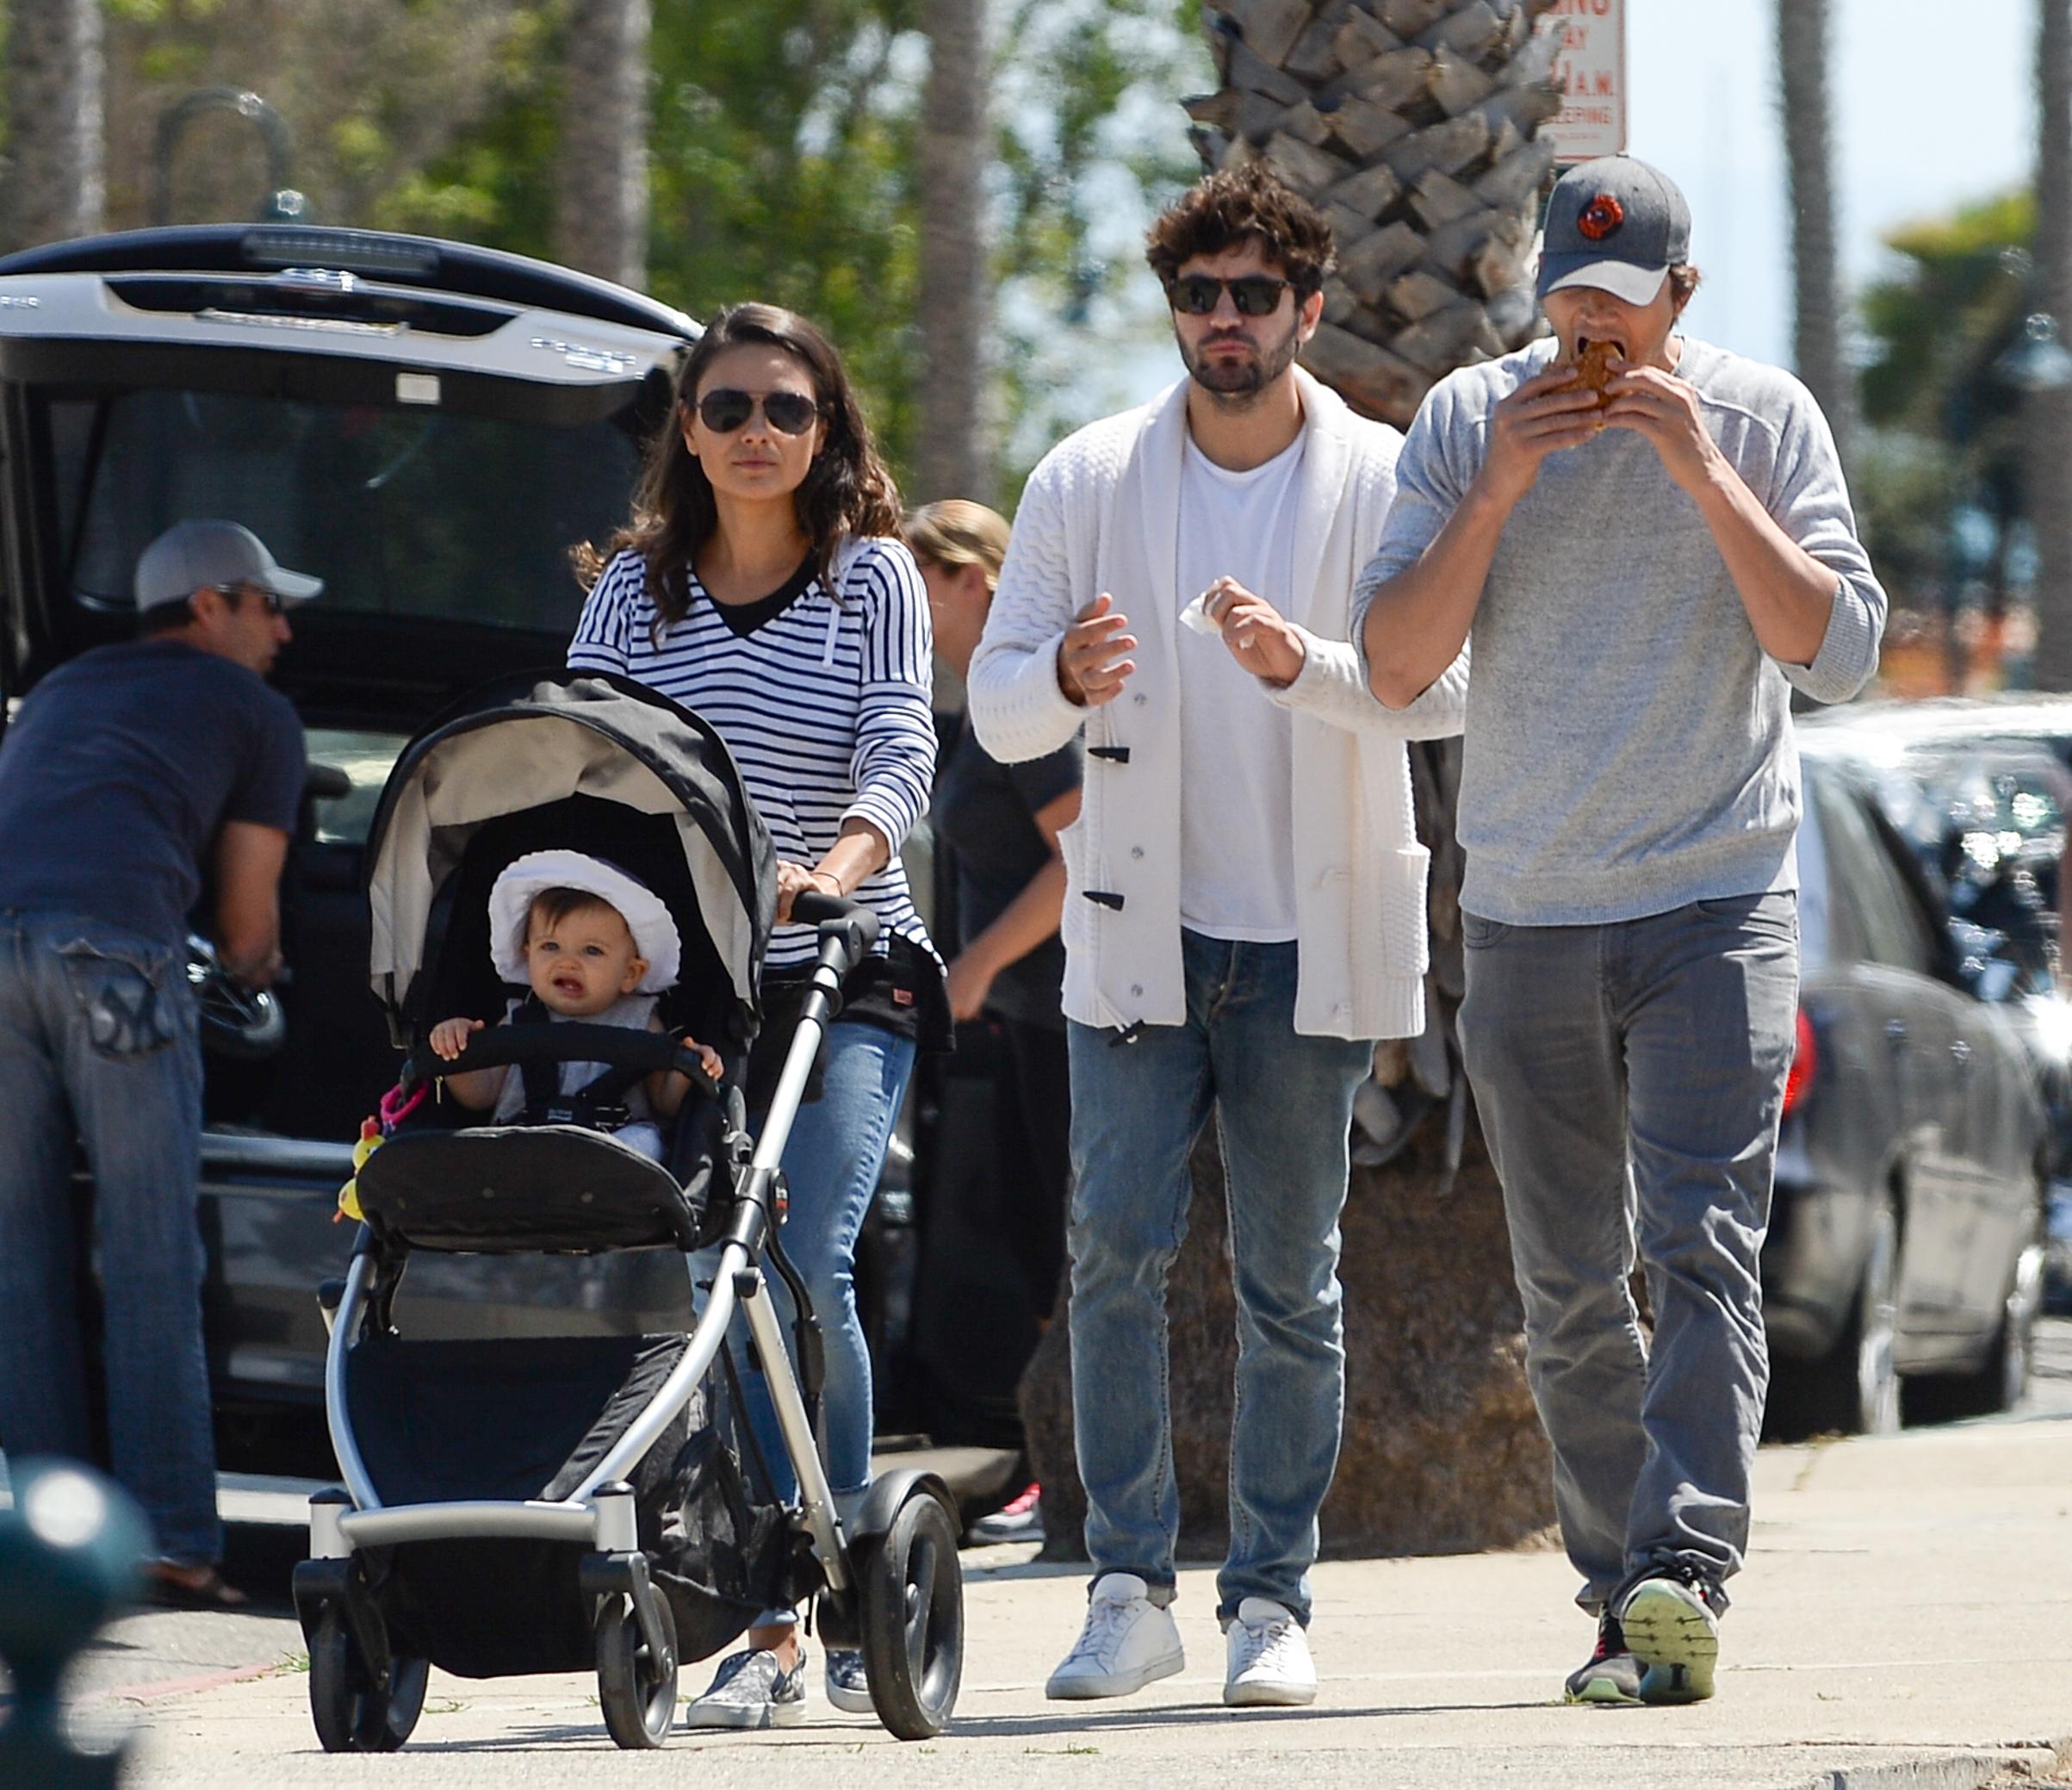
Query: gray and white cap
(193,555)
(1617,224)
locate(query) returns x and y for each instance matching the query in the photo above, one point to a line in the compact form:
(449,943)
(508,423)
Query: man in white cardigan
(1244,912)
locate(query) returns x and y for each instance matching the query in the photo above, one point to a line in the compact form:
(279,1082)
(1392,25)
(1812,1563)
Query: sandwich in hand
(1593,368)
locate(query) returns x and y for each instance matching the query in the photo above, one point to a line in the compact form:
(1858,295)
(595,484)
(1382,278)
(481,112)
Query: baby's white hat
(655,935)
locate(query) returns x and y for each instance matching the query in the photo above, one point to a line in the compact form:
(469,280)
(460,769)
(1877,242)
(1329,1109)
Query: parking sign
(1590,69)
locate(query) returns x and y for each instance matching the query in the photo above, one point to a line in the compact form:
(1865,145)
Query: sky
(1933,107)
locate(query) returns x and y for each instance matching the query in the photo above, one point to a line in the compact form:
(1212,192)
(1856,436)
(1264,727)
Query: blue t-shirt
(120,769)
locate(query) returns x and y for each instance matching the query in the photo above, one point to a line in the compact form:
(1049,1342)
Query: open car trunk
(429,428)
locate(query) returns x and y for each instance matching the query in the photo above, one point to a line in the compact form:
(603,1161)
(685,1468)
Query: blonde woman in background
(1002,823)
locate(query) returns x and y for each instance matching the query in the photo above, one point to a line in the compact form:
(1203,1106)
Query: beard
(1237,380)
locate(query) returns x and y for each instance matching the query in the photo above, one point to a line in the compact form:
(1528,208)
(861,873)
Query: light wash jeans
(98,1045)
(831,1162)
(1631,1077)
(1282,1105)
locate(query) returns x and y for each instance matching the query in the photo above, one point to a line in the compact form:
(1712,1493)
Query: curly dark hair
(1236,206)
(847,489)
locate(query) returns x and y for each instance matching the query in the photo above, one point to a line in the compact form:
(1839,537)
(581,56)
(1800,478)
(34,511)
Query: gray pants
(1630,1078)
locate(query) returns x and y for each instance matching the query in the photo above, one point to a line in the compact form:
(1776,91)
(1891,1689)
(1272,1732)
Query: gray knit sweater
(1629,746)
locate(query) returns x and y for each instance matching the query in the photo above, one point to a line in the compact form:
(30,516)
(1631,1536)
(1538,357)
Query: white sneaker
(1268,1658)
(1128,1641)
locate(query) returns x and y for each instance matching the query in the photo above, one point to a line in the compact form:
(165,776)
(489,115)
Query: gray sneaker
(751,1690)
(1611,1674)
(849,1687)
(1672,1626)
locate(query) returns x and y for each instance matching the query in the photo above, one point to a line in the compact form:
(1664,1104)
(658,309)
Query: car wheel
(1853,1389)
(1998,1383)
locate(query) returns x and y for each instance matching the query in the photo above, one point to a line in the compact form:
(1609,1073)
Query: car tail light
(1805,1059)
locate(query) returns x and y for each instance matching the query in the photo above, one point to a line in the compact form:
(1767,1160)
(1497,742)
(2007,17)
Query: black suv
(427,427)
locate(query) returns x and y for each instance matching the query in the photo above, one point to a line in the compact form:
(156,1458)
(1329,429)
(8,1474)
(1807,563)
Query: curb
(1954,1771)
(178,1686)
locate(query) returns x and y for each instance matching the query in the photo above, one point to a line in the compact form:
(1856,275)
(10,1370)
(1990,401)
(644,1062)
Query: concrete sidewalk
(1906,1622)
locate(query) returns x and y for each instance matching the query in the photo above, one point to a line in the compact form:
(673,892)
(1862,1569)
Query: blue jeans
(831,1161)
(1283,1107)
(99,1046)
(1630,1079)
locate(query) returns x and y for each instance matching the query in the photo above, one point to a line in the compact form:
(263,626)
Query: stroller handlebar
(570,1041)
(838,917)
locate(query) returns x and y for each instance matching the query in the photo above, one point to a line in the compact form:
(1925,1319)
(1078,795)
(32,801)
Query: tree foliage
(782,155)
(1948,426)
(784,152)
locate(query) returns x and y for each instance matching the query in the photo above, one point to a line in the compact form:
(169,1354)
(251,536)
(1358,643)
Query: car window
(366,758)
(410,511)
(1884,923)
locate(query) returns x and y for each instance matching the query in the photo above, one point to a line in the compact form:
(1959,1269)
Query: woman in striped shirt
(761,583)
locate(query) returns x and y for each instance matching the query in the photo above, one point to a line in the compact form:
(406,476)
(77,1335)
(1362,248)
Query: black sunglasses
(273,601)
(725,409)
(1255,294)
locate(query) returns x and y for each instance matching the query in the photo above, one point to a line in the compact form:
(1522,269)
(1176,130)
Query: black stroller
(548,1503)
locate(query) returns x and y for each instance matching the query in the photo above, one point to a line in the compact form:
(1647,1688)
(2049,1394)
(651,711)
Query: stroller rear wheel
(637,1691)
(913,1618)
(350,1715)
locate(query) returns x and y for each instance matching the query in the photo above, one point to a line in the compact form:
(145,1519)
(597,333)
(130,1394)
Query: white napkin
(1196,616)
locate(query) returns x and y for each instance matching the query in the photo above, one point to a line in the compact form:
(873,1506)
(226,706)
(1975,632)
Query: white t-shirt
(1236,830)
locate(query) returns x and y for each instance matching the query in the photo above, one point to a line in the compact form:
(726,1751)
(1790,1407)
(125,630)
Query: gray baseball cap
(190,556)
(1616,224)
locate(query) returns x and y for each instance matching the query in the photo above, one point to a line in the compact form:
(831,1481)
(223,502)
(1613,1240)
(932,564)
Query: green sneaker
(1671,1626)
(1611,1675)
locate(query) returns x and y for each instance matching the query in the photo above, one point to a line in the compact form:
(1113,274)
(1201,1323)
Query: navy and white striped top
(826,707)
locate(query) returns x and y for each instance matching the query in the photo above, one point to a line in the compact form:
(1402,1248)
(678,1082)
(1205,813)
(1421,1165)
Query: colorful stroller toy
(546,1504)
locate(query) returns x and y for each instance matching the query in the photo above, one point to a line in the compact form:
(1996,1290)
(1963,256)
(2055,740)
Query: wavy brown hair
(846,491)
(1236,206)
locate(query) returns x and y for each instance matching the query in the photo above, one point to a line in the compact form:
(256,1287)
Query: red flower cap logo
(1602,215)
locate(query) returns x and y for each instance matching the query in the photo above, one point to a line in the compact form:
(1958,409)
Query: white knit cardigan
(1101,513)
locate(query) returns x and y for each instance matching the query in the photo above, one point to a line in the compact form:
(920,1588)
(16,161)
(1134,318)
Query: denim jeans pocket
(124,997)
(1773,915)
(1476,932)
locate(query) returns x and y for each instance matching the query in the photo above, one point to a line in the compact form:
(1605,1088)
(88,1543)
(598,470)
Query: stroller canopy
(549,746)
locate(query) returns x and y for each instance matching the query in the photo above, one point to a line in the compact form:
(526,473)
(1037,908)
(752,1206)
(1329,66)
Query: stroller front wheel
(637,1691)
(350,1715)
(913,1618)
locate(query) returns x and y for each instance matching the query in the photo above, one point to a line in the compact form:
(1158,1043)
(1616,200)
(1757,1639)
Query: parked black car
(1981,788)
(1903,1267)
(428,425)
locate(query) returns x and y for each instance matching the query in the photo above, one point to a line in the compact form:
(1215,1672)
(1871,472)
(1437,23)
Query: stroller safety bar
(569,1041)
(468,1518)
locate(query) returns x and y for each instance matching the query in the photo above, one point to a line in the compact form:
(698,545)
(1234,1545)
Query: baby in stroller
(595,945)
(586,1494)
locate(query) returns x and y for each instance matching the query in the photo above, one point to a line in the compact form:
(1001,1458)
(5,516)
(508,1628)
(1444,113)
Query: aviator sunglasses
(1255,294)
(725,409)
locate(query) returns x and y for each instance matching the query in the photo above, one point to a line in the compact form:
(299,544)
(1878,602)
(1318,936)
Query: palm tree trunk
(1414,124)
(2050,412)
(600,221)
(950,458)
(1804,33)
(55,182)
(2049,473)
